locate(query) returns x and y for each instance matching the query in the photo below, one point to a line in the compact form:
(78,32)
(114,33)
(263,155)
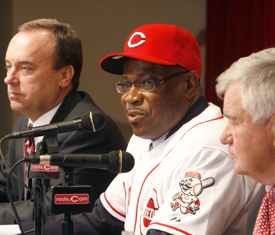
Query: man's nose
(226,136)
(133,96)
(11,77)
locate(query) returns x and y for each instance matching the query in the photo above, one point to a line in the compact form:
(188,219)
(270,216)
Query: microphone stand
(51,146)
(69,198)
(39,190)
(51,143)
(39,221)
(67,223)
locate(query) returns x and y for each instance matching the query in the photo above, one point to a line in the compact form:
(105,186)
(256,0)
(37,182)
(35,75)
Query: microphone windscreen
(128,162)
(120,161)
(99,121)
(91,121)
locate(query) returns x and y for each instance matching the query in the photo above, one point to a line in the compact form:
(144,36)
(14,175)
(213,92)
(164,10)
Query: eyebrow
(141,74)
(236,119)
(21,62)
(231,117)
(227,116)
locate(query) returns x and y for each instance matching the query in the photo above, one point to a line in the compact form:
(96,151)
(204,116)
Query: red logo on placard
(71,199)
(44,167)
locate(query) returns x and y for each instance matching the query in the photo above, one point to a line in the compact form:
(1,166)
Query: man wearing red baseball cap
(175,132)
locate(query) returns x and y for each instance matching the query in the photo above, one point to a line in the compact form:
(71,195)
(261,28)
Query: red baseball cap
(159,44)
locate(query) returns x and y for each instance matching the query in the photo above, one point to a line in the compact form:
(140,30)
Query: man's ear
(67,73)
(191,83)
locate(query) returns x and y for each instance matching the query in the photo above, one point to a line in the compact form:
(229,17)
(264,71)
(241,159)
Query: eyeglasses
(143,85)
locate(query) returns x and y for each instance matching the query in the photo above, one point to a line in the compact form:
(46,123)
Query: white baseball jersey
(185,185)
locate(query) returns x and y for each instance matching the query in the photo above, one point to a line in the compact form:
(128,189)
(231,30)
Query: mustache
(133,109)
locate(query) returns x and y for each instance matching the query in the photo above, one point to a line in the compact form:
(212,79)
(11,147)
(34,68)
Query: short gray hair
(256,74)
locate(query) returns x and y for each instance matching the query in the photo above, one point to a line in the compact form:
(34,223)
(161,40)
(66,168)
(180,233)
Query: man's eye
(148,82)
(233,122)
(124,85)
(7,66)
(24,68)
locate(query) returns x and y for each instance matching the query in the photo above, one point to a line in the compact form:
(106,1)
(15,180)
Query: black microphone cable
(23,183)
(12,202)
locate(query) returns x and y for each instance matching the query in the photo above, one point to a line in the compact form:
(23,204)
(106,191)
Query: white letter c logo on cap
(130,45)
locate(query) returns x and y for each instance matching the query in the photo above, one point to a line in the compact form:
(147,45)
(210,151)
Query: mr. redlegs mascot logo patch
(186,200)
(191,186)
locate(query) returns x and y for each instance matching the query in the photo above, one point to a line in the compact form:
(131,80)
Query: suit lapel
(68,104)
(19,151)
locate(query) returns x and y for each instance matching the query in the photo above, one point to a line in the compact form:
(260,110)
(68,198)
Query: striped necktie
(29,149)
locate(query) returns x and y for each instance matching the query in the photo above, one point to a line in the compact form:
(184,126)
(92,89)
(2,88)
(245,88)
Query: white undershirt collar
(158,141)
(44,120)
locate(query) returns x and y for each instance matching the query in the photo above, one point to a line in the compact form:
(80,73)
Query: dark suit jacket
(109,138)
(253,212)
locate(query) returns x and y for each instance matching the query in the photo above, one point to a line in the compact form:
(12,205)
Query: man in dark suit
(44,61)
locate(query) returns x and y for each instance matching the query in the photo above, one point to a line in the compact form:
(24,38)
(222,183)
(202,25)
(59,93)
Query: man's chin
(16,107)
(238,169)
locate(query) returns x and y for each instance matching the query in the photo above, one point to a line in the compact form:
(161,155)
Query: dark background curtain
(235,28)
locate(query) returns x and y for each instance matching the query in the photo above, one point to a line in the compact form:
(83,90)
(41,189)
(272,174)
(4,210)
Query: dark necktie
(265,223)
(29,149)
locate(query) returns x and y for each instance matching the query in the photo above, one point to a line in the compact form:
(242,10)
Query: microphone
(115,161)
(88,122)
